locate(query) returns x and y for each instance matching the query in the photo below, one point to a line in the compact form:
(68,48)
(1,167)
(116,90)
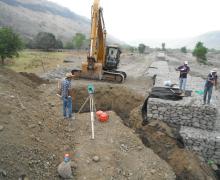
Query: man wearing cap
(184,70)
(210,82)
(65,94)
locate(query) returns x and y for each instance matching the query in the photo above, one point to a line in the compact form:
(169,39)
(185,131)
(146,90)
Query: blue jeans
(207,90)
(67,107)
(182,84)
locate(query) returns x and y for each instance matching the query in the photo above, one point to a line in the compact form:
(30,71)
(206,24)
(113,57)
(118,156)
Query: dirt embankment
(34,78)
(30,142)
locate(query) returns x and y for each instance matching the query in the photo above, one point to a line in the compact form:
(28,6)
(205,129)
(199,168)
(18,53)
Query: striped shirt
(65,87)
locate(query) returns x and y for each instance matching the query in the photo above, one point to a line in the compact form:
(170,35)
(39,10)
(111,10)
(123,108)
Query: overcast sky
(137,19)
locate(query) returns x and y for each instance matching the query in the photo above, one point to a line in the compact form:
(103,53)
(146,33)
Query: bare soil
(122,154)
(34,136)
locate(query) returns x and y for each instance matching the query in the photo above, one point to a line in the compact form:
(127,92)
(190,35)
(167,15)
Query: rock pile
(182,113)
(206,144)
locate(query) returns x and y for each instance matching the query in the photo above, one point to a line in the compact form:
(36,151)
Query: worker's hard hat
(185,62)
(69,75)
(214,70)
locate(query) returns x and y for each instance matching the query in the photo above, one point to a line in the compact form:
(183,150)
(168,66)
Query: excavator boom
(98,34)
(99,65)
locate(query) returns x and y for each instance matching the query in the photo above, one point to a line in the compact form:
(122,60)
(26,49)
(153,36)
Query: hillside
(210,40)
(30,17)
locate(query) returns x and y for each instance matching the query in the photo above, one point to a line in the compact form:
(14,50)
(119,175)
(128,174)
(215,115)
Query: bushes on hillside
(47,41)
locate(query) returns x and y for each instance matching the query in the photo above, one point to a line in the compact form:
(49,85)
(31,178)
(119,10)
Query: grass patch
(31,60)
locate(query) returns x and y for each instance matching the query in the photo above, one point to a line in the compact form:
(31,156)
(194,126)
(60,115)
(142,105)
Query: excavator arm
(98,66)
(98,34)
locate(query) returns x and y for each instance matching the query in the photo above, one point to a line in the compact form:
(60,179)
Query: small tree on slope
(200,52)
(10,44)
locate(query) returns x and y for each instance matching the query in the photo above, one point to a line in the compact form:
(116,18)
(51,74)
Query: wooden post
(42,65)
(92,115)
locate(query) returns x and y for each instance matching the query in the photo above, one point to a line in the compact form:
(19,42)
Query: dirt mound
(34,78)
(28,144)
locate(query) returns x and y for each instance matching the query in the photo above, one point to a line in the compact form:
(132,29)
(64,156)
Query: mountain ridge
(30,17)
(47,6)
(210,39)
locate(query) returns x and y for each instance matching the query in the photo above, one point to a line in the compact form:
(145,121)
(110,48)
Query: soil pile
(34,78)
(30,142)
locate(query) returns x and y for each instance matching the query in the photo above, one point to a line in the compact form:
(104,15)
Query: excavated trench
(108,97)
(158,136)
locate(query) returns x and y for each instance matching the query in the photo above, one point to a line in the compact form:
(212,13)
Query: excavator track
(114,76)
(109,76)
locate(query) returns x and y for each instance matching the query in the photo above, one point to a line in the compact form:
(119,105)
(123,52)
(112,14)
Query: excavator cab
(112,57)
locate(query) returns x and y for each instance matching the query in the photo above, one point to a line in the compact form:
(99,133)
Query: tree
(127,48)
(69,45)
(163,46)
(45,41)
(59,44)
(200,52)
(141,48)
(10,43)
(131,49)
(183,49)
(79,40)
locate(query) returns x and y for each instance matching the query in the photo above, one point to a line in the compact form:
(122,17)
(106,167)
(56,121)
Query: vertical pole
(92,115)
(42,65)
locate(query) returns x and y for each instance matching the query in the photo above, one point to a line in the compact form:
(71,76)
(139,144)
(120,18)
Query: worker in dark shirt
(65,95)
(210,82)
(184,70)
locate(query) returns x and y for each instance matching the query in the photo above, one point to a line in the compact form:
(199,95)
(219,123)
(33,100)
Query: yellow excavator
(102,61)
